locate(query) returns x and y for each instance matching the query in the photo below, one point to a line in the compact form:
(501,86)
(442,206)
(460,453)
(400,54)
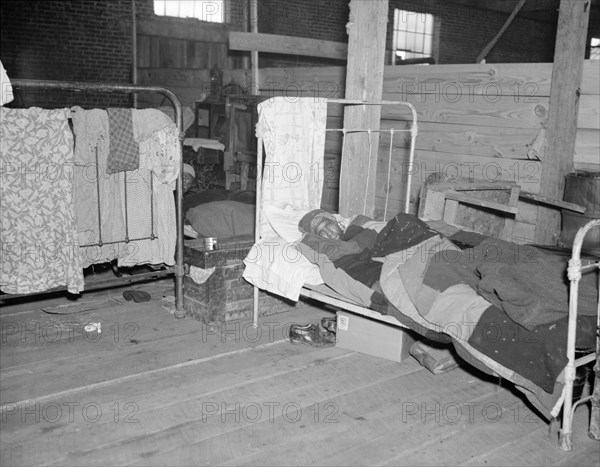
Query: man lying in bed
(350,260)
(525,292)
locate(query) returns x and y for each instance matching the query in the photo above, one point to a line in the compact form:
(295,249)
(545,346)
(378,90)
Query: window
(595,49)
(413,36)
(205,10)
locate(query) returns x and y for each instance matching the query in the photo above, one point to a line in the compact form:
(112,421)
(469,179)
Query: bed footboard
(574,271)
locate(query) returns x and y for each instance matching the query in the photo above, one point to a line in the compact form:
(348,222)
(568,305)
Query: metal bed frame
(574,271)
(318,293)
(321,294)
(178,269)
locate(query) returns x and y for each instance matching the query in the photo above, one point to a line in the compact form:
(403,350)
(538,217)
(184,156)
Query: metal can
(210,243)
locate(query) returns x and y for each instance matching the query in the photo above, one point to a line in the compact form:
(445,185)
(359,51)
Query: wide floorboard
(149,389)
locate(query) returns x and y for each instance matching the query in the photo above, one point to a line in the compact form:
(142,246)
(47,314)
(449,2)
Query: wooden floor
(153,390)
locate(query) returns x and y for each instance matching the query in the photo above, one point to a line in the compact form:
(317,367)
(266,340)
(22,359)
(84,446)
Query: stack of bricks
(226,295)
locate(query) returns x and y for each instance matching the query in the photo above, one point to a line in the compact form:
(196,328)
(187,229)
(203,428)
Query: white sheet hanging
(293,132)
(92,140)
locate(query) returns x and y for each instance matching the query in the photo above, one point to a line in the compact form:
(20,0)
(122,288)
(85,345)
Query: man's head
(189,176)
(321,223)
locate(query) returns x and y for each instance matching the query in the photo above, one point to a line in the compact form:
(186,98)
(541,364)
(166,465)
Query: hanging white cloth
(293,132)
(96,192)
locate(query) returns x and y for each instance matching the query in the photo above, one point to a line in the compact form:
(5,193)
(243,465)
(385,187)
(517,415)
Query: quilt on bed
(503,305)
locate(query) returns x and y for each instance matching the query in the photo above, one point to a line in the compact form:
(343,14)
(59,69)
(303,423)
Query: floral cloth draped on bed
(293,132)
(38,229)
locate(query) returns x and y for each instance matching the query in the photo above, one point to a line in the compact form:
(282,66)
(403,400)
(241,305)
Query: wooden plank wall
(484,122)
(587,142)
(475,121)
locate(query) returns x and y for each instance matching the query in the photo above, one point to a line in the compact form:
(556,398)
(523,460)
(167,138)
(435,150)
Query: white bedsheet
(278,267)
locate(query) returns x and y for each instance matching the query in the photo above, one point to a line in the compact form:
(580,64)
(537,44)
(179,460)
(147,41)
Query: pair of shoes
(311,334)
(329,323)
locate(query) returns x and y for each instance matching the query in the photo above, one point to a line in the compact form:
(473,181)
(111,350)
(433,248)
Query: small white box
(372,337)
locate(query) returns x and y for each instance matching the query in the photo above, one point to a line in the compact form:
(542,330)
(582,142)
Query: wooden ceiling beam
(288,45)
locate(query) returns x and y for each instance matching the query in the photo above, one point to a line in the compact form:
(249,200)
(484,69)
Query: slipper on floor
(137,296)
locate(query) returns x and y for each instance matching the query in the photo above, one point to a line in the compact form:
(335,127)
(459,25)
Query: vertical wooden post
(559,148)
(255,86)
(364,81)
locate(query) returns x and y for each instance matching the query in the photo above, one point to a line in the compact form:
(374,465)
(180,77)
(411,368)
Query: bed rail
(178,269)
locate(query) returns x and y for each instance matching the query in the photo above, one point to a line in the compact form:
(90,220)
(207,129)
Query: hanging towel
(38,231)
(154,180)
(124,153)
(293,133)
(98,204)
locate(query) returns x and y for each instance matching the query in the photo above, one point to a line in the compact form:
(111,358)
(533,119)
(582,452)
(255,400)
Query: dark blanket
(355,272)
(402,232)
(354,252)
(525,329)
(538,355)
(528,284)
(191,200)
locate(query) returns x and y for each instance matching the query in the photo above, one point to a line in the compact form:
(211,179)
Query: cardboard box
(372,337)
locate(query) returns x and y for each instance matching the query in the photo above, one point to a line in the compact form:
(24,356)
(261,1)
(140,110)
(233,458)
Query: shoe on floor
(311,334)
(137,296)
(329,323)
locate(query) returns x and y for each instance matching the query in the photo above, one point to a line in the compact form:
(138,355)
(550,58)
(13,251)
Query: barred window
(413,35)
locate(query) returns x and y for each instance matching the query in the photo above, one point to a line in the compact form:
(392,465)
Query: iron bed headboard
(178,269)
(346,102)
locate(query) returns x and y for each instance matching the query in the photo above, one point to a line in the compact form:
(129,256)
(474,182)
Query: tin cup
(210,244)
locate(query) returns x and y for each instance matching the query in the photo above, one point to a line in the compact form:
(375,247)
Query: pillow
(222,219)
(285,222)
